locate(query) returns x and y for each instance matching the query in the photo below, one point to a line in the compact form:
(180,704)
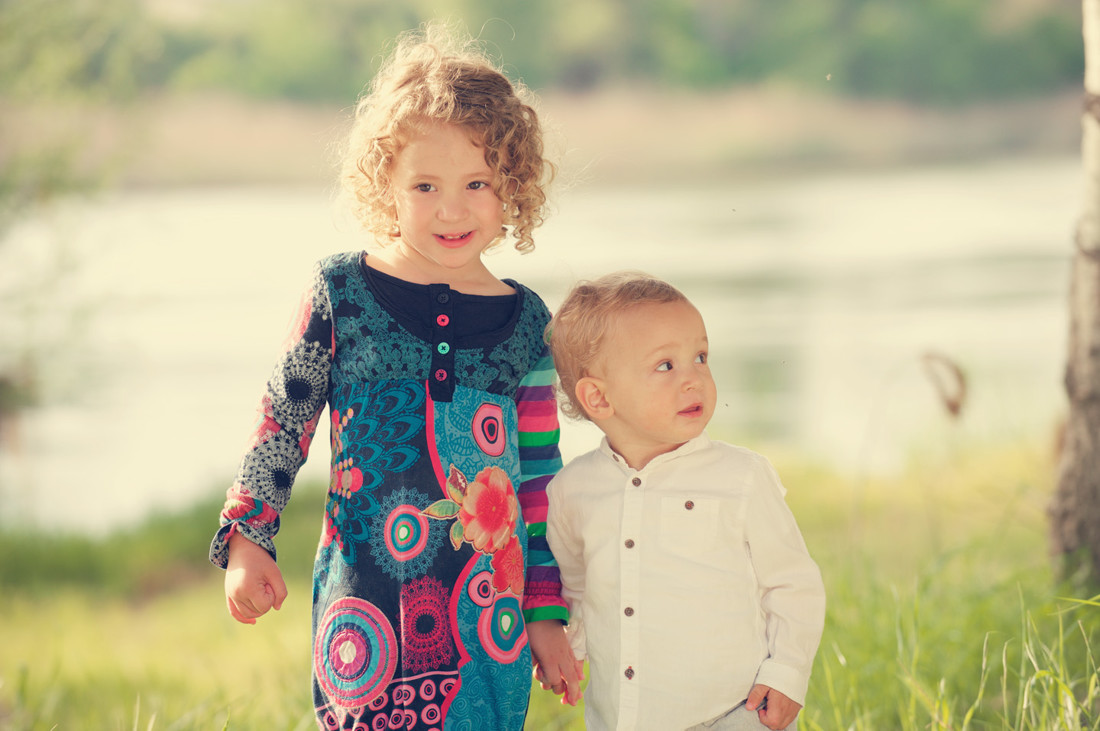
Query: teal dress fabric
(433,550)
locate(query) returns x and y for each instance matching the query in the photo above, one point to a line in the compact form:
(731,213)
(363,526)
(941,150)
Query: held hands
(253,583)
(776,711)
(556,668)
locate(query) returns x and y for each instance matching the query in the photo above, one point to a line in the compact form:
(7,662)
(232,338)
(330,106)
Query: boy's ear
(590,395)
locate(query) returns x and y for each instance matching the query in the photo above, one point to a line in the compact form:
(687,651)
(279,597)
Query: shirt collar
(692,445)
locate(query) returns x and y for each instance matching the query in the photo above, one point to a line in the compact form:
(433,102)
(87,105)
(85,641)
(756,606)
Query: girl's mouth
(454,239)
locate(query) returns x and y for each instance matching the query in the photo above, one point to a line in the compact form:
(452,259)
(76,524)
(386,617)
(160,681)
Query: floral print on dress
(372,437)
(486,510)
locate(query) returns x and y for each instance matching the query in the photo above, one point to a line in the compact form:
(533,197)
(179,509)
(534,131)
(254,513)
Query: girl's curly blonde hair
(434,76)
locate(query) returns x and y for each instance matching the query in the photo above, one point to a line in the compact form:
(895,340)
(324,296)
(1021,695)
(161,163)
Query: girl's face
(446,208)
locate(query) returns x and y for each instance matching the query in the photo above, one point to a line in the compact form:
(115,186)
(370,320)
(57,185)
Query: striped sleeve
(540,460)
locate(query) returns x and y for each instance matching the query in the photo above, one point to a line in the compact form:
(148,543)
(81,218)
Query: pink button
(441,375)
(443,320)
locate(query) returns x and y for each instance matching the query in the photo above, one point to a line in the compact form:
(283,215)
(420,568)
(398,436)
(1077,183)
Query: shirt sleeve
(792,594)
(286,421)
(561,535)
(540,460)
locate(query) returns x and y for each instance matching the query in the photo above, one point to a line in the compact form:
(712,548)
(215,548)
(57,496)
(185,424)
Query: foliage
(943,613)
(936,51)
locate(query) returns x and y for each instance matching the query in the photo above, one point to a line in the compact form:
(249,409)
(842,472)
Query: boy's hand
(556,668)
(253,583)
(776,711)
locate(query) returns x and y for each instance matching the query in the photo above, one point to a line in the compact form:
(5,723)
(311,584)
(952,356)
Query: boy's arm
(289,411)
(792,593)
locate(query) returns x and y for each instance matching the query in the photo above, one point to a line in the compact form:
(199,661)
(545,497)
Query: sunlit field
(944,612)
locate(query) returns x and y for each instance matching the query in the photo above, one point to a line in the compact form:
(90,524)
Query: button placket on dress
(441,377)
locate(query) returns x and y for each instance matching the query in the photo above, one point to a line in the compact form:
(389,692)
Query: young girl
(444,428)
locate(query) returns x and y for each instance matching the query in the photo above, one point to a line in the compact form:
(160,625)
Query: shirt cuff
(787,680)
(549,611)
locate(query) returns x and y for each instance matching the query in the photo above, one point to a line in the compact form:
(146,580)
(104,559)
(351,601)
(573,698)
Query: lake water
(821,295)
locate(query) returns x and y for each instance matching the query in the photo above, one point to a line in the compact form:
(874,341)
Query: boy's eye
(701,358)
(665,366)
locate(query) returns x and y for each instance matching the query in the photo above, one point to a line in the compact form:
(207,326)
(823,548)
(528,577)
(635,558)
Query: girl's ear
(590,395)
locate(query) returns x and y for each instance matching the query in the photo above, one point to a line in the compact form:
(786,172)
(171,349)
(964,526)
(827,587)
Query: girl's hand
(253,583)
(775,710)
(556,668)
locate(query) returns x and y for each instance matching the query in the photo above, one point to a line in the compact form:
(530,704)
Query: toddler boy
(692,593)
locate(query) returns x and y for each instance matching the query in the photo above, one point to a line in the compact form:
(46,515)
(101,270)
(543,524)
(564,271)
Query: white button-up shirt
(688,582)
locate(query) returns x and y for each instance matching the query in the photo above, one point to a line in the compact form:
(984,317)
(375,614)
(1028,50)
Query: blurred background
(871,202)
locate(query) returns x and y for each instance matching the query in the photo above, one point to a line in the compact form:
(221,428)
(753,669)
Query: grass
(944,613)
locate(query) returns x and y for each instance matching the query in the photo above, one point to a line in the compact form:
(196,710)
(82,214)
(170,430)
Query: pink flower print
(508,568)
(489,510)
(266,426)
(300,321)
(308,431)
(346,479)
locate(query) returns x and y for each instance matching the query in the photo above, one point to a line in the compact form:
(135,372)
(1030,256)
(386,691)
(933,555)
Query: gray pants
(737,718)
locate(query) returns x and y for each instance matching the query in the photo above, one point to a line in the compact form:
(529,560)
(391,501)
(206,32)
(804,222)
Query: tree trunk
(1075,509)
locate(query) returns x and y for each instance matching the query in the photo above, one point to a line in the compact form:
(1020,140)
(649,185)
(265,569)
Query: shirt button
(629,611)
(629,543)
(636,481)
(443,298)
(689,505)
(443,348)
(629,673)
(441,375)
(443,320)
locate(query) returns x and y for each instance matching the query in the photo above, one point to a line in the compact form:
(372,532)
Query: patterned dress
(433,552)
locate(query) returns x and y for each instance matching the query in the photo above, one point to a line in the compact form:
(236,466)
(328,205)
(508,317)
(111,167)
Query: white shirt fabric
(688,582)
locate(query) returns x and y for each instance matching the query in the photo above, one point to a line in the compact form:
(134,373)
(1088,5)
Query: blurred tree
(57,57)
(1075,510)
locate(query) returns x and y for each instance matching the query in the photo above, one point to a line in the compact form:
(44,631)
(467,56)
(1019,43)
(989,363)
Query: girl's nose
(452,207)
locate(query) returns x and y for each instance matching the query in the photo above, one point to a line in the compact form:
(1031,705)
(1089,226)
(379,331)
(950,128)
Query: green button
(443,348)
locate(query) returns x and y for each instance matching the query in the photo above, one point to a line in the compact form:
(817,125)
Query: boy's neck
(638,456)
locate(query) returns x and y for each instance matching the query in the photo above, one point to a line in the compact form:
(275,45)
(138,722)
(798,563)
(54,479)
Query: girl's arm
(287,419)
(540,460)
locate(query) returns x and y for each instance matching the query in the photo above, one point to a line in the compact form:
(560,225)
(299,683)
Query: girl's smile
(447,211)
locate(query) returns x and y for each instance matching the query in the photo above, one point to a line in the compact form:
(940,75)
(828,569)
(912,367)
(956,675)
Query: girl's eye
(701,358)
(478,185)
(665,366)
(424,187)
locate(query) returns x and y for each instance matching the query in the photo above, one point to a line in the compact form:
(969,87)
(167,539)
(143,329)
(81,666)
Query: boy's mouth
(693,410)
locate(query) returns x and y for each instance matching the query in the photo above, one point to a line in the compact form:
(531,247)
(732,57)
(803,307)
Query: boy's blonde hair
(577,331)
(435,76)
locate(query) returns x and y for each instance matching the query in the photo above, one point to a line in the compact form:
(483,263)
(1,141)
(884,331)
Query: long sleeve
(567,547)
(540,460)
(286,421)
(792,593)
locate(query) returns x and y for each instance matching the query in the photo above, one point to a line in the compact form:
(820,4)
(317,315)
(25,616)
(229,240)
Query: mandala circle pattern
(500,629)
(488,428)
(480,589)
(406,532)
(426,627)
(355,654)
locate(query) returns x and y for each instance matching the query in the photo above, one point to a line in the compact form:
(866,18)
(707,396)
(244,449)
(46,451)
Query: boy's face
(656,380)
